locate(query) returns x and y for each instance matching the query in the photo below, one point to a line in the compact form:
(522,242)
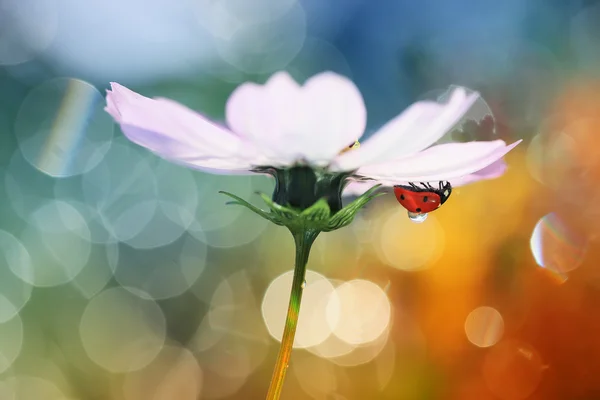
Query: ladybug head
(444,191)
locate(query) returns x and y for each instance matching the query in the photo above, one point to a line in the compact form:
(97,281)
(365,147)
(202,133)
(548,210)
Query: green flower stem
(304,240)
(305,223)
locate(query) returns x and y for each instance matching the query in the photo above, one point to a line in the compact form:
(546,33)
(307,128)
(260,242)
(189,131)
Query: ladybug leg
(413,185)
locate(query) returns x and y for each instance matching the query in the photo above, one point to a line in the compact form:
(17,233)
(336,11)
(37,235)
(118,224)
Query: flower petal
(338,116)
(418,127)
(357,188)
(492,171)
(178,153)
(253,113)
(172,130)
(313,122)
(443,162)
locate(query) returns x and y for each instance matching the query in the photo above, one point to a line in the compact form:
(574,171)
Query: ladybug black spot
(401,197)
(418,210)
(425,199)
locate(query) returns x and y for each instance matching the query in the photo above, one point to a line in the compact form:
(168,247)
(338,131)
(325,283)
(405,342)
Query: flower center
(353,146)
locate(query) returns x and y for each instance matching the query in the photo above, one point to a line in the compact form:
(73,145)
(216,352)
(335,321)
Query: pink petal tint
(492,171)
(282,123)
(175,132)
(289,122)
(444,162)
(415,129)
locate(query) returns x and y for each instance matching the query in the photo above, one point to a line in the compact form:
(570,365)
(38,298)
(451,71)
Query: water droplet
(304,284)
(417,217)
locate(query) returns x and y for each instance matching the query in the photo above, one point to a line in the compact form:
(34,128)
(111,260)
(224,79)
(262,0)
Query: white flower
(281,124)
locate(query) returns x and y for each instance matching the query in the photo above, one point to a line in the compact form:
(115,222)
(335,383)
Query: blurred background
(126,277)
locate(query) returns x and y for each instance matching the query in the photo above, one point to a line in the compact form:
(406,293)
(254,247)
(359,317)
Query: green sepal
(315,218)
(317,212)
(251,207)
(346,215)
(281,211)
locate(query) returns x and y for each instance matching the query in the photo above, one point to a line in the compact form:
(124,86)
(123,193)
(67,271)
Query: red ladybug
(422,200)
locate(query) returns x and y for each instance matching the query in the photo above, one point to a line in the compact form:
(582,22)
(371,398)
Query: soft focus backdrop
(125,277)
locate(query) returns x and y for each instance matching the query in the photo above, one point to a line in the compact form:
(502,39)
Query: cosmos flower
(307,137)
(301,134)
